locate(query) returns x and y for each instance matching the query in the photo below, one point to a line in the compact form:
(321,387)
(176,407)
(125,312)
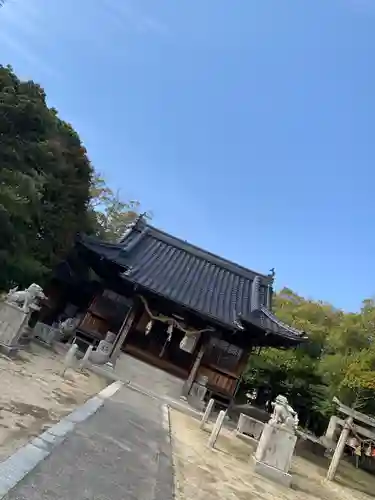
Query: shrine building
(171,304)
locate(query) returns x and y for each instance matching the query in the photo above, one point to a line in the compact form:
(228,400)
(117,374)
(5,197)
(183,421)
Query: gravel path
(227,471)
(34,395)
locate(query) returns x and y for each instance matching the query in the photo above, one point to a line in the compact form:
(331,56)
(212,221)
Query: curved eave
(102,249)
(271,325)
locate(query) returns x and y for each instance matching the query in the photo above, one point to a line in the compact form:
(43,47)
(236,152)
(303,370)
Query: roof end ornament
(271,274)
(132,225)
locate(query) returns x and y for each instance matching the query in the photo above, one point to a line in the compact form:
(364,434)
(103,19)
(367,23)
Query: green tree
(45,179)
(294,374)
(110,213)
(338,360)
(48,189)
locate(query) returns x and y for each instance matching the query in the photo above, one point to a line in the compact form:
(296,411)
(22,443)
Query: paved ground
(147,376)
(121,453)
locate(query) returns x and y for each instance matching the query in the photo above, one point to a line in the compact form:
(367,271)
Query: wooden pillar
(193,372)
(122,334)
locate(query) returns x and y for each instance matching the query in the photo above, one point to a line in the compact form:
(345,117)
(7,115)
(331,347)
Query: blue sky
(246,126)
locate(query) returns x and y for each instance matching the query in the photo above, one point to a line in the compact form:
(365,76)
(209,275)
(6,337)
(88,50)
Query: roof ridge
(206,255)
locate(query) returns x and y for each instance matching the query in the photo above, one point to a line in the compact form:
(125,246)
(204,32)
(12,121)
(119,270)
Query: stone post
(339,449)
(86,357)
(332,426)
(69,358)
(207,413)
(216,429)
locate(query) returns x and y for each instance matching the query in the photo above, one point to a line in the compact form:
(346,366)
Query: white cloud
(21,15)
(23,32)
(363,6)
(126,13)
(153,25)
(27,54)
(44,33)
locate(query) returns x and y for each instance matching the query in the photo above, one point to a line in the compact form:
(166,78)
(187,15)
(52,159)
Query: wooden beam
(359,429)
(193,372)
(356,415)
(123,332)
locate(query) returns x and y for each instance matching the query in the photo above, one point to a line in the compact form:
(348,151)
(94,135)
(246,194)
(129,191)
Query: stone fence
(46,333)
(249,426)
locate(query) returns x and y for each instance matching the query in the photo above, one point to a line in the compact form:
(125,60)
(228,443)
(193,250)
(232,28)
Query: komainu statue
(283,414)
(67,328)
(26,299)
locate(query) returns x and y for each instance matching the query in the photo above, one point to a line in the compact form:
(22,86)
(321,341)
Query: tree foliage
(338,361)
(111,213)
(48,189)
(45,179)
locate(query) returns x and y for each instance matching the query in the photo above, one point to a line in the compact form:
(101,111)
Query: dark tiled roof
(270,323)
(273,324)
(110,251)
(191,277)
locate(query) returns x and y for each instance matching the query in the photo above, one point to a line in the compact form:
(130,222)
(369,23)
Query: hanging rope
(172,321)
(360,446)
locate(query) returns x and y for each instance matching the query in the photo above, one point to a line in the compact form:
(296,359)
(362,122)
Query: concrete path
(122,452)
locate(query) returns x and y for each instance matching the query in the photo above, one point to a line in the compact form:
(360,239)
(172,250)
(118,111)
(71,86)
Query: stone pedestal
(101,354)
(273,456)
(198,392)
(13,327)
